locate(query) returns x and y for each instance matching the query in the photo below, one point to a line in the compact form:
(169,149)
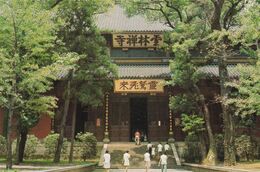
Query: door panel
(119,118)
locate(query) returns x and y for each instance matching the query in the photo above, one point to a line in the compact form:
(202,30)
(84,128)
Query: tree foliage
(81,36)
(90,80)
(192,124)
(246,97)
(27,62)
(207,26)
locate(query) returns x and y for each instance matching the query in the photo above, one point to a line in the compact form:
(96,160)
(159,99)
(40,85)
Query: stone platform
(142,170)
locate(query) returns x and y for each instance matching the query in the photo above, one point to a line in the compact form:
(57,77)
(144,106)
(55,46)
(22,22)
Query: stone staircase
(136,151)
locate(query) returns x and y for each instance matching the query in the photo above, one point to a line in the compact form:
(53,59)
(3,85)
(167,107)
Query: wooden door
(158,118)
(119,118)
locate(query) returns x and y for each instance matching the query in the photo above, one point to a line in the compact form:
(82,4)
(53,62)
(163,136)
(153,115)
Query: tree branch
(164,14)
(166,17)
(231,12)
(56,3)
(175,8)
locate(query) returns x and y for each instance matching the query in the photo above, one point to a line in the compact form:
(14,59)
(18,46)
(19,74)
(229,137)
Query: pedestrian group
(149,154)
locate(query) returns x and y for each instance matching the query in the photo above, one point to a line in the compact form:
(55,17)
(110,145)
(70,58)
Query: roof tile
(117,20)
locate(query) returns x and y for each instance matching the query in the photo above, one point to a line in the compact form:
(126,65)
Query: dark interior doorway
(138,113)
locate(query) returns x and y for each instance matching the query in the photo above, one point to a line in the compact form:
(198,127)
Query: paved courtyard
(142,170)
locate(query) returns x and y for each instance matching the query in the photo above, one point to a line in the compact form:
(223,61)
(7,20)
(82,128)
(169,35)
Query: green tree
(26,63)
(191,100)
(209,20)
(187,32)
(90,79)
(245,98)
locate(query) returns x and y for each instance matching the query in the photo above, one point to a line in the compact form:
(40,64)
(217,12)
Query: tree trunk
(18,138)
(215,19)
(211,158)
(202,145)
(229,148)
(9,160)
(22,144)
(63,123)
(73,130)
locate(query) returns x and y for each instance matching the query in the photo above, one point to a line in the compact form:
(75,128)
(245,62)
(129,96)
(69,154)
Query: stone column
(106,133)
(171,139)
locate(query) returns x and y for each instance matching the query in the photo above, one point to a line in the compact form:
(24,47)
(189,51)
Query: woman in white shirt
(126,158)
(149,147)
(107,159)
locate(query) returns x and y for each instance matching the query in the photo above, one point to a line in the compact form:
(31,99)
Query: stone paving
(142,170)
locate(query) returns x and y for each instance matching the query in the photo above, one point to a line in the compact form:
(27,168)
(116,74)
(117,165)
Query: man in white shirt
(126,158)
(147,161)
(163,162)
(160,147)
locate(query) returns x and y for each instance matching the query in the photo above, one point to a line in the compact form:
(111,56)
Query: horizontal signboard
(131,40)
(138,85)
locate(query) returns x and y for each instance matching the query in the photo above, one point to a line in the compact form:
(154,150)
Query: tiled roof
(212,70)
(143,71)
(159,71)
(163,71)
(117,20)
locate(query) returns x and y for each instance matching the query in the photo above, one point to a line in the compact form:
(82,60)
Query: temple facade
(139,99)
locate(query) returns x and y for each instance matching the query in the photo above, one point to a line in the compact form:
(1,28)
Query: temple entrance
(138,116)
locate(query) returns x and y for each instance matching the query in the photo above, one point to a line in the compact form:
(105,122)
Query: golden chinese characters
(145,40)
(138,85)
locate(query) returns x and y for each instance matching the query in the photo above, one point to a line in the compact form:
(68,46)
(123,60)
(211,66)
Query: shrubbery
(246,149)
(31,146)
(192,152)
(219,139)
(86,145)
(50,144)
(2,146)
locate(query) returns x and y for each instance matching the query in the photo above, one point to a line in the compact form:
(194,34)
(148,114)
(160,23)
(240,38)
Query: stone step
(136,151)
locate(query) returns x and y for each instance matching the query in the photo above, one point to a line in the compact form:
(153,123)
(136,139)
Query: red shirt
(137,134)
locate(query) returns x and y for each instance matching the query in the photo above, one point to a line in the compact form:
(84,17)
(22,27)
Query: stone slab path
(142,170)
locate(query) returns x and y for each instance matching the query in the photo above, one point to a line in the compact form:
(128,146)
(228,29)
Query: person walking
(149,147)
(166,148)
(153,152)
(160,149)
(126,158)
(163,162)
(107,159)
(137,137)
(147,161)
